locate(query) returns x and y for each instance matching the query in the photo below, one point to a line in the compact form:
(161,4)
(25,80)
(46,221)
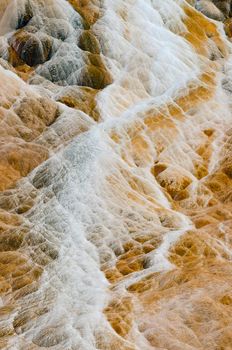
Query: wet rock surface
(215,9)
(38,39)
(115,175)
(31,48)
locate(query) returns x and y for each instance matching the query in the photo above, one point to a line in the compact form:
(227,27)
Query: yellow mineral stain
(200,29)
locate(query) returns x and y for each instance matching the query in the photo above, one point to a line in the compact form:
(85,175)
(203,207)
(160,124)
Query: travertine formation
(216,9)
(115,175)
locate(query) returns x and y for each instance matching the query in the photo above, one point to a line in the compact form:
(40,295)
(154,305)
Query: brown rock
(17,159)
(89,42)
(94,77)
(82,98)
(25,15)
(36,114)
(31,47)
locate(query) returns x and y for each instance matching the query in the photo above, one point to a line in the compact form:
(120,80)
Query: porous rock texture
(115,175)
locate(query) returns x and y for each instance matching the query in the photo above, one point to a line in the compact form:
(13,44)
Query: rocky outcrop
(30,47)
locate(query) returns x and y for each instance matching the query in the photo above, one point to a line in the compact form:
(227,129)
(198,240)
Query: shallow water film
(115,174)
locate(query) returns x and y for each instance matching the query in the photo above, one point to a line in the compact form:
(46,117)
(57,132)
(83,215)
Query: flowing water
(115,175)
